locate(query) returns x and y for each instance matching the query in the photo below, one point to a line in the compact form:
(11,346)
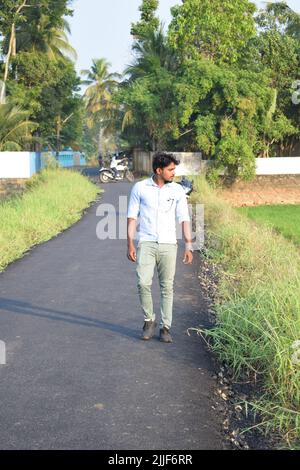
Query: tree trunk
(12,50)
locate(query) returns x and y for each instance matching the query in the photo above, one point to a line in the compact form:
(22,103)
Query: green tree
(100,107)
(278,45)
(15,128)
(39,76)
(148,22)
(148,94)
(213,29)
(39,34)
(48,90)
(225,107)
(38,24)
(11,15)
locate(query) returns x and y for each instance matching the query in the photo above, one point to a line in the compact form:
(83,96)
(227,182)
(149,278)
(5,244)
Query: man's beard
(167,181)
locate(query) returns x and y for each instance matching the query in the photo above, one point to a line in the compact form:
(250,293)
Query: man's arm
(132,215)
(182,213)
(188,253)
(131,228)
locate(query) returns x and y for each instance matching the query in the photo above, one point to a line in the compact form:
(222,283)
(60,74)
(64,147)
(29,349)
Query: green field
(284,219)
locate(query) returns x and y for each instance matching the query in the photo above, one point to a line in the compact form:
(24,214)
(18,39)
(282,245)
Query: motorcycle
(118,171)
(187,186)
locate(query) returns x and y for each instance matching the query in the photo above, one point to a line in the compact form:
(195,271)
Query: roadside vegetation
(257,310)
(54,200)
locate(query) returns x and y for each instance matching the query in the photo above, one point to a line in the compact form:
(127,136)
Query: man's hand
(188,253)
(131,253)
(131,227)
(188,257)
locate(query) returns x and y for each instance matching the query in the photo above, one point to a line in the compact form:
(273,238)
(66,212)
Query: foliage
(219,81)
(278,44)
(49,161)
(213,29)
(148,94)
(99,105)
(148,22)
(101,85)
(14,128)
(39,77)
(47,89)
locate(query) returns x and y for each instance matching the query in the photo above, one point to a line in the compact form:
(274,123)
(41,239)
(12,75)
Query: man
(113,165)
(157,201)
(100,160)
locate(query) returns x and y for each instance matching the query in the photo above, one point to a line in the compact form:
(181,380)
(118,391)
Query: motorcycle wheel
(104,177)
(129,176)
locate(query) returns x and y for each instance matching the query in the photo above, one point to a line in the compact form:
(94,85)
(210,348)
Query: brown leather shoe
(148,330)
(164,335)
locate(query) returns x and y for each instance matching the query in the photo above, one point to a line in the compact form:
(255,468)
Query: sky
(101,28)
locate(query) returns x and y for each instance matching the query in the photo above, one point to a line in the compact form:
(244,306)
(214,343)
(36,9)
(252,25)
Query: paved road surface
(77,374)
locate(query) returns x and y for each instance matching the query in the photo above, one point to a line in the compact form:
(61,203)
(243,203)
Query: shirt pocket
(167,205)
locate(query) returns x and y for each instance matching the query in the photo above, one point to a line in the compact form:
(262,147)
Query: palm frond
(14,126)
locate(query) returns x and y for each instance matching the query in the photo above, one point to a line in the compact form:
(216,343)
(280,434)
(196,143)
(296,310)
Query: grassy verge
(284,219)
(257,309)
(53,201)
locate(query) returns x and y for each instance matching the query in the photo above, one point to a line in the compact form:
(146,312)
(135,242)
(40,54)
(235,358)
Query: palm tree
(154,58)
(11,49)
(15,129)
(151,55)
(98,95)
(43,37)
(101,86)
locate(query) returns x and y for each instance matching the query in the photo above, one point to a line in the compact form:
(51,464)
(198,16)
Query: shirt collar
(151,182)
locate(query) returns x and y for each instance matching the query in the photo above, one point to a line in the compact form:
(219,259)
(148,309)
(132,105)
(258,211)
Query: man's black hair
(163,159)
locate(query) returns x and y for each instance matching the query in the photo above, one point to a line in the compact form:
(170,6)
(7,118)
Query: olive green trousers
(163,257)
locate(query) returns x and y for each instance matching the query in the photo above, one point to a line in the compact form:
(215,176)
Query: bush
(236,155)
(257,308)
(49,161)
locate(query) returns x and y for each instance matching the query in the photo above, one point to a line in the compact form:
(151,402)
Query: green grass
(53,201)
(284,219)
(257,308)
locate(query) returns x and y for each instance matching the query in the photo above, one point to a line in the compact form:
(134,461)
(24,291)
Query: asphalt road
(77,374)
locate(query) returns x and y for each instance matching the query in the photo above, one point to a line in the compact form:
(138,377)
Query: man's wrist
(188,246)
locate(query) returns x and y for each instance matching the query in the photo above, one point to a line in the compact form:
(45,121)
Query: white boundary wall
(278,166)
(18,164)
(192,164)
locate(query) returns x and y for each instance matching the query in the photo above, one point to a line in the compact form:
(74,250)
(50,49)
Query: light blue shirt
(157,209)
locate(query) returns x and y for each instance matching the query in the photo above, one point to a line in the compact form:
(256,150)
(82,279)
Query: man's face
(167,173)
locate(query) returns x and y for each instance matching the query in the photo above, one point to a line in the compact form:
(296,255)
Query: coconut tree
(15,129)
(152,54)
(44,37)
(10,41)
(30,29)
(101,85)
(149,101)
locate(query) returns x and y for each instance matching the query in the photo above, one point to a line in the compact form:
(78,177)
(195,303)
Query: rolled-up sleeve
(134,203)
(182,209)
